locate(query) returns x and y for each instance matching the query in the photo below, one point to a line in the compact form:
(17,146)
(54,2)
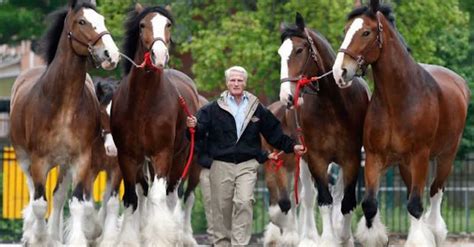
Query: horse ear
(72,3)
(138,8)
(299,21)
(282,27)
(357,3)
(168,8)
(94,3)
(374,5)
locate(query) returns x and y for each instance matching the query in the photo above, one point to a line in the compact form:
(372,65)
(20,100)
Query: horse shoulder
(24,83)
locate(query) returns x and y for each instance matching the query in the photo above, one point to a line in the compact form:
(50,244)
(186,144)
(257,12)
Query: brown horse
(417,113)
(331,121)
(149,127)
(55,120)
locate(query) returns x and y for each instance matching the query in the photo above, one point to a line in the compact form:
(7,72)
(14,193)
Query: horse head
(151,28)
(88,35)
(104,91)
(363,41)
(299,57)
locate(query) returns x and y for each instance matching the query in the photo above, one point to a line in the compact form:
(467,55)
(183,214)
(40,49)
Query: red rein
(147,63)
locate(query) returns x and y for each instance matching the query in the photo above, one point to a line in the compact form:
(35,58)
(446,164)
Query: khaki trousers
(232,202)
(206,194)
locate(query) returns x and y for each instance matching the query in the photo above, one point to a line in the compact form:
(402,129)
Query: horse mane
(132,31)
(49,42)
(386,10)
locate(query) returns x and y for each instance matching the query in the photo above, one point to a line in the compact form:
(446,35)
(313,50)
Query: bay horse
(331,122)
(55,119)
(149,128)
(417,113)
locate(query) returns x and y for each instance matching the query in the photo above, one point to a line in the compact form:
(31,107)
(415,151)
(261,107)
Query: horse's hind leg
(370,230)
(83,225)
(111,205)
(419,234)
(433,216)
(55,222)
(308,233)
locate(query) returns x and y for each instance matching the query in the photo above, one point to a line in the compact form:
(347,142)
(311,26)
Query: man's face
(236,83)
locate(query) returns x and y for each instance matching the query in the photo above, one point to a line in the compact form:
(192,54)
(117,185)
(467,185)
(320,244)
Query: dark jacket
(217,124)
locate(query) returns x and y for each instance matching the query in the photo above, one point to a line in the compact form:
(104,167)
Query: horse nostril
(106,54)
(344,72)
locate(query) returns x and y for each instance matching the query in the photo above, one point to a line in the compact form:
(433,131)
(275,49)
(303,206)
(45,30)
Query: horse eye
(82,22)
(299,50)
(142,25)
(168,25)
(366,33)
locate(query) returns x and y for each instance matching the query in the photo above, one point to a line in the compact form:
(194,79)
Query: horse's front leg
(420,233)
(84,226)
(344,194)
(318,167)
(110,207)
(34,225)
(370,231)
(162,227)
(308,232)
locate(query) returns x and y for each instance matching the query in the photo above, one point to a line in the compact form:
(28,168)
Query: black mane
(292,31)
(132,31)
(48,43)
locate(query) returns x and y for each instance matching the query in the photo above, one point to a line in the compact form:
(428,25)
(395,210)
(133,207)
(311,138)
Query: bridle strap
(157,39)
(360,58)
(91,42)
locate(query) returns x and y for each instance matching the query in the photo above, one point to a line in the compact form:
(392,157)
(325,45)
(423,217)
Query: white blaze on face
(98,23)
(285,52)
(160,51)
(337,67)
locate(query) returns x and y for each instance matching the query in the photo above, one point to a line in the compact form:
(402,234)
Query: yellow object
(15,190)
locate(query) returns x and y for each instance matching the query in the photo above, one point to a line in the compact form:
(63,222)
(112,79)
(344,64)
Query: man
(233,124)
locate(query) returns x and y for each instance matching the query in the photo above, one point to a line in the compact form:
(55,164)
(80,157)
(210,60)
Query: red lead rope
(297,160)
(182,102)
(300,84)
(148,64)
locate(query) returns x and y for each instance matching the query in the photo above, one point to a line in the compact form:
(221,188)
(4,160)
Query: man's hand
(191,122)
(273,156)
(299,149)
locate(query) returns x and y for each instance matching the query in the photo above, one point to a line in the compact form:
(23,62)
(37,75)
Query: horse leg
(129,231)
(406,176)
(272,235)
(433,216)
(162,227)
(55,222)
(419,234)
(111,206)
(84,226)
(28,217)
(370,230)
(35,223)
(308,233)
(344,205)
(318,167)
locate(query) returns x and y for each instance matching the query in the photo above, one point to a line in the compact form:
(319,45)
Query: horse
(331,121)
(104,158)
(417,113)
(149,128)
(55,119)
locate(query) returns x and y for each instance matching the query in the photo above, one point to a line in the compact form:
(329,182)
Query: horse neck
(395,70)
(326,58)
(143,82)
(64,79)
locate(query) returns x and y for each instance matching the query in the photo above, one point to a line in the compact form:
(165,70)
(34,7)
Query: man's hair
(235,69)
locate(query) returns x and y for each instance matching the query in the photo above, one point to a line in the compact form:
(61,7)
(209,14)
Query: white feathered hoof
(272,236)
(290,238)
(308,242)
(439,230)
(90,223)
(374,236)
(419,234)
(164,227)
(277,217)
